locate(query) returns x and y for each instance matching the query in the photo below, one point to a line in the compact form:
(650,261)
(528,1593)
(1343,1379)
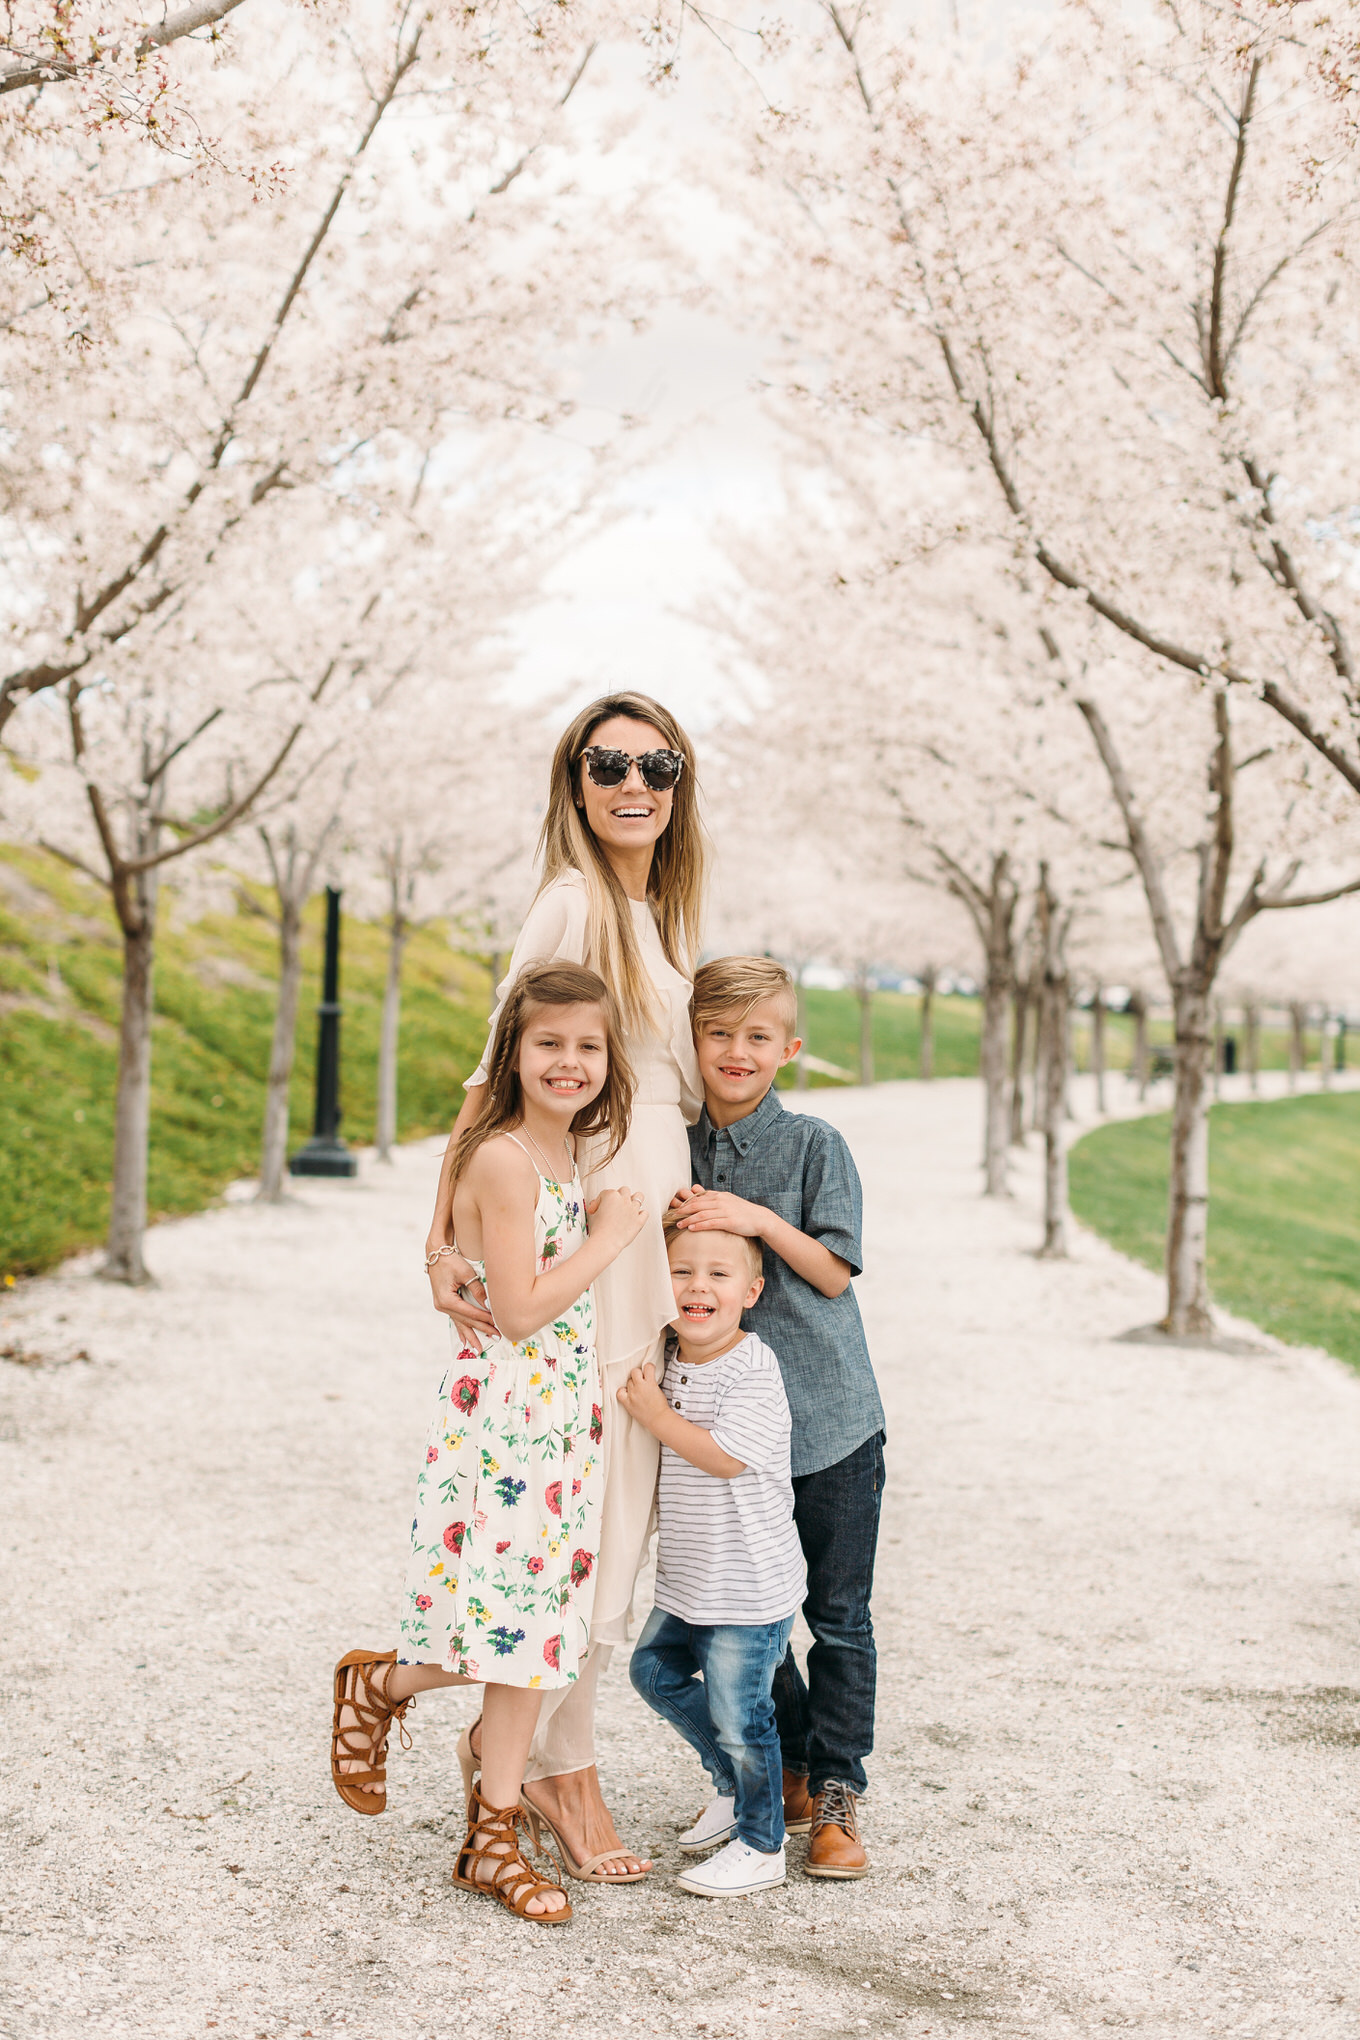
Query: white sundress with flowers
(506,1532)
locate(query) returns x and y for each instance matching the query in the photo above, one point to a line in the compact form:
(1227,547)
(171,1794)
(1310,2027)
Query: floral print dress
(504,1544)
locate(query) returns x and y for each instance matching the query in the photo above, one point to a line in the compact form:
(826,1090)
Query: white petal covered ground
(1118,1775)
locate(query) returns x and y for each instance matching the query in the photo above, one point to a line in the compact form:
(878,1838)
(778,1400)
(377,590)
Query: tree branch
(33,679)
(1140,844)
(19,72)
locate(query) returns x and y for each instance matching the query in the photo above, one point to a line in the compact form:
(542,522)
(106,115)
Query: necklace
(548,1171)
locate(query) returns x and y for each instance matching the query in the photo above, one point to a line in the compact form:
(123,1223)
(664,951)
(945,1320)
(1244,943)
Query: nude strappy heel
(589,1872)
(510,1879)
(364,1738)
(468,1761)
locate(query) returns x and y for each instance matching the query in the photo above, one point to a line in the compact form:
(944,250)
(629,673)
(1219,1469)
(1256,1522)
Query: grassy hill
(59,987)
(1284,1209)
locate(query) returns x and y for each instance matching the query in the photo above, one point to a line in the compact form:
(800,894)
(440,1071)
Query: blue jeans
(713,1685)
(826,1725)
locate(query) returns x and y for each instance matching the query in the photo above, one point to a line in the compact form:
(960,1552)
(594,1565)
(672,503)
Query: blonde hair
(755,1260)
(675,883)
(537,986)
(730,986)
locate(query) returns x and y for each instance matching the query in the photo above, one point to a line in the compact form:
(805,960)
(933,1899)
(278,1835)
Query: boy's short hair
(754,1259)
(731,985)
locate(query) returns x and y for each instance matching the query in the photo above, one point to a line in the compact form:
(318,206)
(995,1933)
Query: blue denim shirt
(801,1169)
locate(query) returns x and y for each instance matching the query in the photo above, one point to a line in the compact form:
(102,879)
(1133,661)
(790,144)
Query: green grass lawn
(59,986)
(833,1034)
(1284,1209)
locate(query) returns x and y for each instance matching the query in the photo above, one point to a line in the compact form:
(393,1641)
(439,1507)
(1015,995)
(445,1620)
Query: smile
(631,814)
(565,1083)
(731,1071)
(697,1310)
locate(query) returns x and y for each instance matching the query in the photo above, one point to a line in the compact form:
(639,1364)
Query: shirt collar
(744,1133)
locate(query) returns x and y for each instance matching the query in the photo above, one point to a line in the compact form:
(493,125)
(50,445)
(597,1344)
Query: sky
(704,455)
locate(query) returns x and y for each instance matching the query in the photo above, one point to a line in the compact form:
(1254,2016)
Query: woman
(623,855)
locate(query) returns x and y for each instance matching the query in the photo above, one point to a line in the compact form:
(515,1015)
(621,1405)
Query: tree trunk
(1252,1015)
(1324,1066)
(1098,1045)
(800,1068)
(274,1143)
(123,1261)
(864,992)
(398,932)
(1039,1074)
(1138,1008)
(929,979)
(1218,1048)
(996,1003)
(1055,1011)
(1297,1046)
(1187,1282)
(496,962)
(1021,1002)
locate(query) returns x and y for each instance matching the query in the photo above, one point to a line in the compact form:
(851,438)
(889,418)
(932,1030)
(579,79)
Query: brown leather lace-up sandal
(507,1876)
(362,1741)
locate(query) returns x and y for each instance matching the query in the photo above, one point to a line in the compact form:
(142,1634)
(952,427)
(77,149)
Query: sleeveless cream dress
(634,1302)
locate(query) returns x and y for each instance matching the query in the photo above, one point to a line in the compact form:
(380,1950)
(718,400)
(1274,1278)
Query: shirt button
(684,1381)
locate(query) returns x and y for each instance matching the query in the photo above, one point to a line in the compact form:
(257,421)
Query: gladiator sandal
(509,1878)
(363,1739)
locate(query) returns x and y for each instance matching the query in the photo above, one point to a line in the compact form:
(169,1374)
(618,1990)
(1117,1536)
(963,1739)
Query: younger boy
(729,1571)
(787,1181)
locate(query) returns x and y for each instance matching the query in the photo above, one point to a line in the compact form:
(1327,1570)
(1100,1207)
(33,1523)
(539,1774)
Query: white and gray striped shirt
(728,1551)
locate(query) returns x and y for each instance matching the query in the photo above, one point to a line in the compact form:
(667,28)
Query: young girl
(505,1538)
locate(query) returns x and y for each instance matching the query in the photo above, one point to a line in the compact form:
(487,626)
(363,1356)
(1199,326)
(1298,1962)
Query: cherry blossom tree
(1077,268)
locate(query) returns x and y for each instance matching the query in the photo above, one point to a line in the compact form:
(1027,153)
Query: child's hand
(642,1398)
(616,1217)
(720,1211)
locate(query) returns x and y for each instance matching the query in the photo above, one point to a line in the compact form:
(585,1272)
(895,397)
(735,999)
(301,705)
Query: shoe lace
(835,1807)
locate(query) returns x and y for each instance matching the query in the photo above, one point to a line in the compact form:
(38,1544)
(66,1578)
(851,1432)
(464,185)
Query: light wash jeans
(714,1683)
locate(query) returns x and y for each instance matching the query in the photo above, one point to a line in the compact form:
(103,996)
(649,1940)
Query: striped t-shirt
(728,1551)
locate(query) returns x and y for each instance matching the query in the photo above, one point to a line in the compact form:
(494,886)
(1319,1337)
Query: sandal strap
(511,1879)
(366,1735)
(605,1856)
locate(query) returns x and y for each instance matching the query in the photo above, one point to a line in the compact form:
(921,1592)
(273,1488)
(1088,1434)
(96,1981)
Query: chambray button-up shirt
(801,1169)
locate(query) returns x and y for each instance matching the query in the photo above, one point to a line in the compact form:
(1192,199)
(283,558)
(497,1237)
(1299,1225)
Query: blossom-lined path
(1116,1782)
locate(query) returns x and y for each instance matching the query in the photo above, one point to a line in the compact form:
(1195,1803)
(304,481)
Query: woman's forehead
(622,733)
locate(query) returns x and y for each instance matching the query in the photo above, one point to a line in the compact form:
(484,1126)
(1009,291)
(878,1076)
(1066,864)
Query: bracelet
(438,1254)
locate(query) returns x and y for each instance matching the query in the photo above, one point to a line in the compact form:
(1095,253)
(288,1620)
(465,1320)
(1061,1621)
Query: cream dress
(634,1302)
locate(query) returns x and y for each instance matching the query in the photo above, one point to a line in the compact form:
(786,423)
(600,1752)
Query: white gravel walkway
(1117,1606)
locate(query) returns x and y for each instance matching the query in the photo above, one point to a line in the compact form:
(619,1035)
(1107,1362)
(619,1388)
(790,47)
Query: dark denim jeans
(826,1726)
(713,1685)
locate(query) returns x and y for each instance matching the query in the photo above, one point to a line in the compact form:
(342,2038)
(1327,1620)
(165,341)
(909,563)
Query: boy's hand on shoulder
(641,1396)
(720,1211)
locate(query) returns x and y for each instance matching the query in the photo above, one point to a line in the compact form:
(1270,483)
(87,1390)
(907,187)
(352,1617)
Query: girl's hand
(450,1273)
(641,1396)
(616,1217)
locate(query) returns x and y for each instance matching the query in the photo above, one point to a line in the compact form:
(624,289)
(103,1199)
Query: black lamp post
(325,1153)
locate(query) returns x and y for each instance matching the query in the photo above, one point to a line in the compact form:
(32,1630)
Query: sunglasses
(660,769)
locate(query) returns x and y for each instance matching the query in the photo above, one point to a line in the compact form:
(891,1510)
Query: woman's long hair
(675,884)
(540,985)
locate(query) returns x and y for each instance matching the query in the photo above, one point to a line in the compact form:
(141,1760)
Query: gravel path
(1117,1604)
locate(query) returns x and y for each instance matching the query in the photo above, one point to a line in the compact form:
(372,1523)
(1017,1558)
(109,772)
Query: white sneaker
(734,1872)
(714,1825)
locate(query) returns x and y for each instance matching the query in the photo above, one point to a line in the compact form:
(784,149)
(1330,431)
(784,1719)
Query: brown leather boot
(797,1803)
(835,1849)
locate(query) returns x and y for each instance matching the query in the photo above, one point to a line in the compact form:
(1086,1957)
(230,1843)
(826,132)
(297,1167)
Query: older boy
(788,1180)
